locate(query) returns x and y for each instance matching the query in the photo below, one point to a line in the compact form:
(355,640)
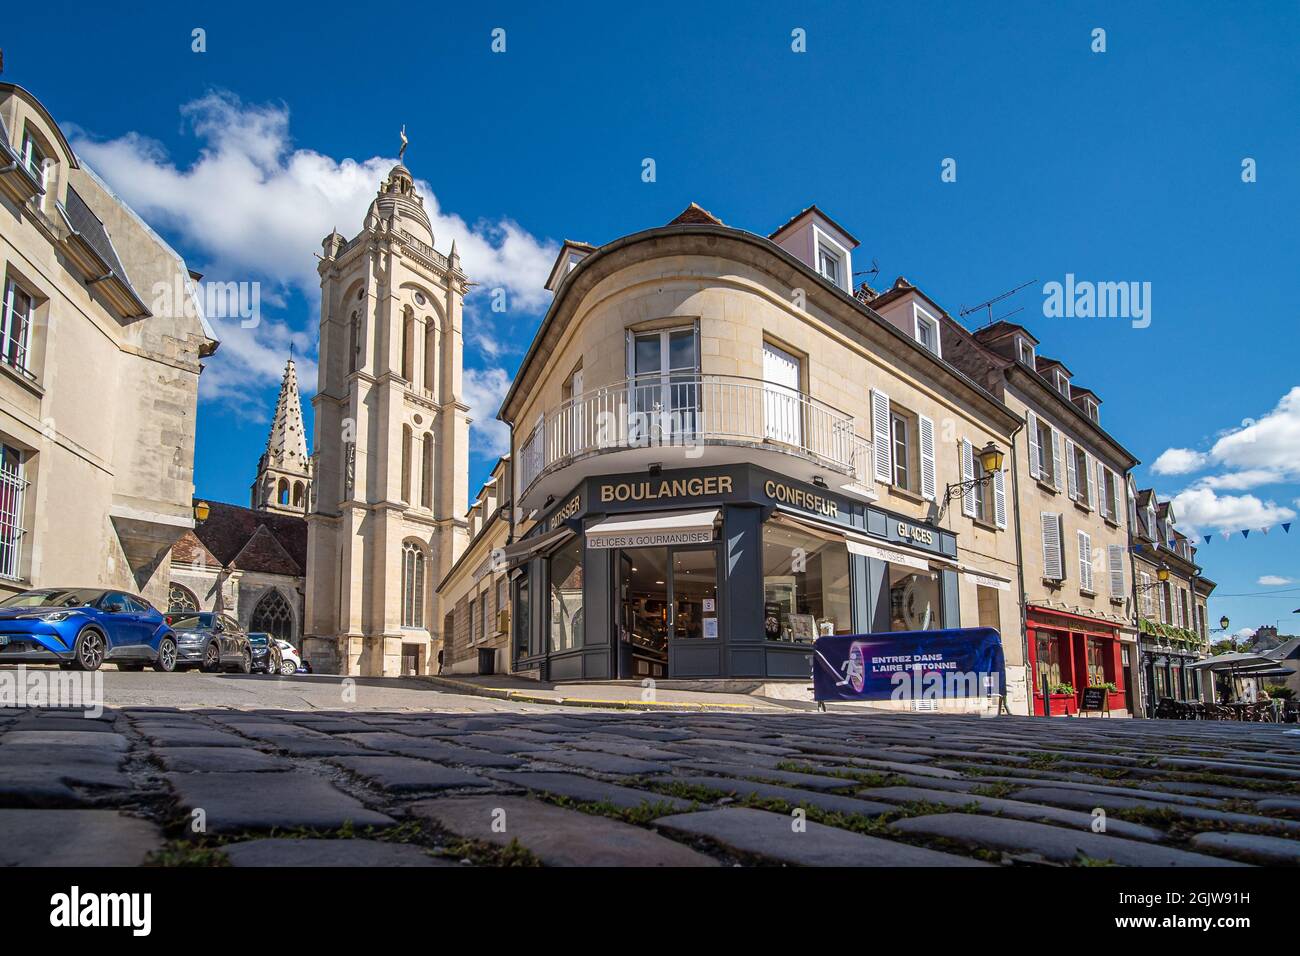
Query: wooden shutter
(1058,464)
(927,459)
(1091,479)
(1145,580)
(1085,561)
(999,499)
(1114,496)
(883,446)
(1101,488)
(1115,561)
(1053,563)
(1071,473)
(1035,449)
(968,474)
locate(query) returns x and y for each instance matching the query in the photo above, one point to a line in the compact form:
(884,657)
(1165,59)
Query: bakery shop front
(728,571)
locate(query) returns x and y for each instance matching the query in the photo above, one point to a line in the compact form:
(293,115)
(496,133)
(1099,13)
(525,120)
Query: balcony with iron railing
(691,420)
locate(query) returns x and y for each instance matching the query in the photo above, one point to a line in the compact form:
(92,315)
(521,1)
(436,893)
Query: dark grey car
(211,641)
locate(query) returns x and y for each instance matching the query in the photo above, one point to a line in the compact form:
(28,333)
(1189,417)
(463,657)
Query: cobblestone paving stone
(399,787)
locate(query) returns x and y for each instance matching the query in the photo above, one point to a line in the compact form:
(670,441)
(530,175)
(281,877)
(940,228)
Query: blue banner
(909,665)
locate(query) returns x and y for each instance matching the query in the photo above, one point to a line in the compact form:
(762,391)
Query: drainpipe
(1141,688)
(1020,569)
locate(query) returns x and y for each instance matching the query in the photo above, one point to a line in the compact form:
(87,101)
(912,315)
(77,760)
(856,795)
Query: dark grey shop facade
(728,571)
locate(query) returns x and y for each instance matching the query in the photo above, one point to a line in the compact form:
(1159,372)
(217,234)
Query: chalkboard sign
(1095,698)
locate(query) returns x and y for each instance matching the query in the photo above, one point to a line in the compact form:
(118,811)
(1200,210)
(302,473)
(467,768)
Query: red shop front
(1072,652)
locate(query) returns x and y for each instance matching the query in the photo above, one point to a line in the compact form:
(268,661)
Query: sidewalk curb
(518,696)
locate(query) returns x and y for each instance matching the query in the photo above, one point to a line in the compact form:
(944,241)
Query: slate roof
(247,540)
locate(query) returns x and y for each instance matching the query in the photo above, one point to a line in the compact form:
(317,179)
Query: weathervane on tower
(404,143)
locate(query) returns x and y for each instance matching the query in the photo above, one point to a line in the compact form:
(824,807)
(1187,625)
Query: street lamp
(991,458)
(201,511)
(1162,575)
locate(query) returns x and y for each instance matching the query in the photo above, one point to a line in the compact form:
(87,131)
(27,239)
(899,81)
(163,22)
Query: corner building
(720,452)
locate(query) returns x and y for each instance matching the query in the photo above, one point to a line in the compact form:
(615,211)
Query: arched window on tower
(408,356)
(273,616)
(283,495)
(299,494)
(406,463)
(430,354)
(412,585)
(354,342)
(426,471)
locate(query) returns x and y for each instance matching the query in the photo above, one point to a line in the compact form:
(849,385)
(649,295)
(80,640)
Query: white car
(290,661)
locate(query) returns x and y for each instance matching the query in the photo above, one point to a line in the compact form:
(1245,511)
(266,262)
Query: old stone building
(475,593)
(252,562)
(101,336)
(391,439)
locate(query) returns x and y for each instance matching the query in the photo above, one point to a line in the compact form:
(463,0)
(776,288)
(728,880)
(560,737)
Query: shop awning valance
(654,529)
(521,551)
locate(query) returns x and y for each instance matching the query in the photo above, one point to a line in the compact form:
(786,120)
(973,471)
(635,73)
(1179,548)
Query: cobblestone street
(487,783)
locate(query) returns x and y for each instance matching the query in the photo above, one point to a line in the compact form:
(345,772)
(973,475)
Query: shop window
(913,599)
(1161,681)
(1176,680)
(1096,662)
(1048,650)
(805,584)
(566,598)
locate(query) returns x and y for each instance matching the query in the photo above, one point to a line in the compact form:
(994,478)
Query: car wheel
(211,658)
(273,662)
(287,668)
(166,661)
(88,653)
(245,665)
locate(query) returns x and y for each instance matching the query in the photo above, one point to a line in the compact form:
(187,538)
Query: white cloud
(1270,442)
(258,208)
(1244,633)
(484,391)
(1274,581)
(1178,461)
(1243,480)
(1200,507)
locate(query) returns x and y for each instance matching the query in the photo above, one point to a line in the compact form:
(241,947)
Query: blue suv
(84,627)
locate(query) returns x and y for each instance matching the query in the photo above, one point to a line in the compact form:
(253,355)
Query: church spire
(284,471)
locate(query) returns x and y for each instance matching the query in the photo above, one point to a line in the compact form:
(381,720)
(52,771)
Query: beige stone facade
(475,594)
(392,441)
(790,372)
(101,344)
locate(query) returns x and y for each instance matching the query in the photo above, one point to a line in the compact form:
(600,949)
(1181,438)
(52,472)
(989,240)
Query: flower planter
(1063,705)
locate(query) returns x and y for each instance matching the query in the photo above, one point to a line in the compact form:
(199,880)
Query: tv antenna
(988,304)
(873,271)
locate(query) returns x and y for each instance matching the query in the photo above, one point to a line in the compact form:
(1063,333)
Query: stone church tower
(392,441)
(283,482)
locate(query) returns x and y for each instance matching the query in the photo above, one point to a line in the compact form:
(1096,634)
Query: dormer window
(1091,407)
(829,264)
(927,330)
(33,157)
(1063,384)
(1026,352)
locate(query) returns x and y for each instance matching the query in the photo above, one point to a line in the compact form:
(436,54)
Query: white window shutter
(1085,561)
(1115,559)
(1114,496)
(927,459)
(1092,480)
(1145,580)
(968,474)
(999,499)
(1053,564)
(1035,449)
(883,450)
(1058,462)
(1071,473)
(1103,503)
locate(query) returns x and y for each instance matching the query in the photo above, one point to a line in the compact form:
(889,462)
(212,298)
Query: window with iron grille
(12,489)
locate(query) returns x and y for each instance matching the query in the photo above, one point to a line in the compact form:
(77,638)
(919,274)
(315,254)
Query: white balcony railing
(12,489)
(690,410)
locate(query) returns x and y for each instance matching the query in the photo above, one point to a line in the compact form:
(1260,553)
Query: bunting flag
(1208,538)
(1287,527)
(1245,532)
(1264,530)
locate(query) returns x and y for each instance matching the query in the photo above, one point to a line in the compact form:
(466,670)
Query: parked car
(84,627)
(267,658)
(210,641)
(292,660)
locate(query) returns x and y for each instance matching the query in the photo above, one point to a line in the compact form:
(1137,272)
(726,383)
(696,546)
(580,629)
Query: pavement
(226,770)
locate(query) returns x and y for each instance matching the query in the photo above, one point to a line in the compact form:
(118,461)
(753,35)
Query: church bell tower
(392,440)
(283,482)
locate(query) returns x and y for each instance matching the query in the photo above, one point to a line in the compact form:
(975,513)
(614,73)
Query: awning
(870,547)
(654,529)
(892,555)
(521,551)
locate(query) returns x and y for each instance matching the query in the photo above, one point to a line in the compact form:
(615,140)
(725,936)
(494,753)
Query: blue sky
(1117,166)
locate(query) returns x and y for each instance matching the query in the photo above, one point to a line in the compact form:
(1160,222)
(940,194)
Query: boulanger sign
(665,488)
